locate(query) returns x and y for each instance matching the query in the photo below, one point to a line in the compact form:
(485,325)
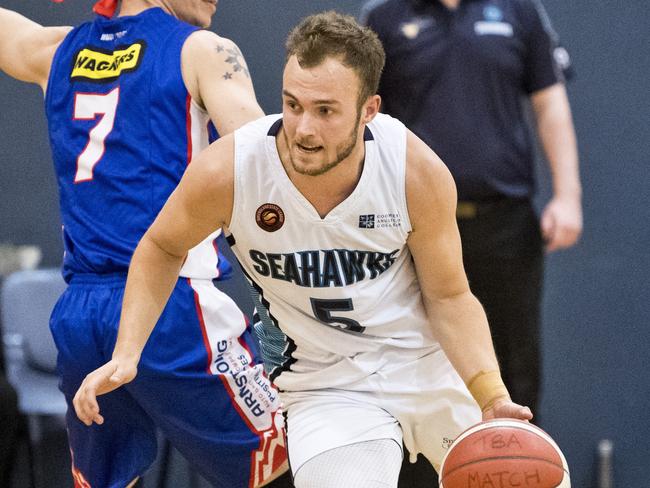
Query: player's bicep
(200,204)
(434,241)
(232,104)
(218,78)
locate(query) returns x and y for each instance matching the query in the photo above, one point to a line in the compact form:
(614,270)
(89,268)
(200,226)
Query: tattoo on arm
(234,58)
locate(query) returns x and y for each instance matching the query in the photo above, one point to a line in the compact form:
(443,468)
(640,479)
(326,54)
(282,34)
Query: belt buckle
(466,210)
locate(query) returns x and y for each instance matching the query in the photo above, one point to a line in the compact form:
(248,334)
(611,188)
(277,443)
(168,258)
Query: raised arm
(217,77)
(456,316)
(200,204)
(27,48)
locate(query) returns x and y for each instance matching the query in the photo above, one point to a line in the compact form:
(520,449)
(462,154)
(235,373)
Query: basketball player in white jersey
(345,223)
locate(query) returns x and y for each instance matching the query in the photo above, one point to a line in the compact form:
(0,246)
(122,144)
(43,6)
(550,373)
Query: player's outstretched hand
(108,377)
(507,409)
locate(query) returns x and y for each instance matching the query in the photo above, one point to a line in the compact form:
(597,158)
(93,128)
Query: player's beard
(343,150)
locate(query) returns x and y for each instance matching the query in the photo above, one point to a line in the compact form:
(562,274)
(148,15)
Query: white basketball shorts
(421,401)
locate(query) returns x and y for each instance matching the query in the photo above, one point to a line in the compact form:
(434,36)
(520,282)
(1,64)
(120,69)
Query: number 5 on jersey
(87,106)
(323,309)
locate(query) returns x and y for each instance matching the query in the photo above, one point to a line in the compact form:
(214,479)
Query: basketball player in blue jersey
(128,101)
(345,223)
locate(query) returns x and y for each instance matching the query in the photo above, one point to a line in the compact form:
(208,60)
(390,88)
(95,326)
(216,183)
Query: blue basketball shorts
(199,381)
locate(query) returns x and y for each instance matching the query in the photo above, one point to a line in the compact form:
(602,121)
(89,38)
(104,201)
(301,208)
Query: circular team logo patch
(269,217)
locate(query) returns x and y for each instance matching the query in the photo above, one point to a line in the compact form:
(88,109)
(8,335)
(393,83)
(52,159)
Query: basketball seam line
(517,427)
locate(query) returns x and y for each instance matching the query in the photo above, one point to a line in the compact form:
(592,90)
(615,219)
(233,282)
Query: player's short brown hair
(331,34)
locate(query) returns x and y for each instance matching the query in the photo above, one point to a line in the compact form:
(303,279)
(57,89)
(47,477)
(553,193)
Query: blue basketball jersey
(123,129)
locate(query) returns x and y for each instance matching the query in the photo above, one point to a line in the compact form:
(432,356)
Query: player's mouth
(308,149)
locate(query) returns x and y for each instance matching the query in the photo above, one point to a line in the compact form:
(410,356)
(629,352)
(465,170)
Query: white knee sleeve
(370,464)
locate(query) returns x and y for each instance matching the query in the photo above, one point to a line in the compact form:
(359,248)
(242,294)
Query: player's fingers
(88,407)
(91,407)
(85,404)
(508,409)
(78,407)
(525,413)
(98,419)
(94,384)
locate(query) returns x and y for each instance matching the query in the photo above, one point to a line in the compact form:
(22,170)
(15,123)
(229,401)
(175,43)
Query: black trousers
(9,424)
(503,256)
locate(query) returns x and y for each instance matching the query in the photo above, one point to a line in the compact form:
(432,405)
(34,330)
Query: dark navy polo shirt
(457,79)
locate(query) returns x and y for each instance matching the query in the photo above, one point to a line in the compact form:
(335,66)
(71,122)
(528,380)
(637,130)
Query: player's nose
(305,128)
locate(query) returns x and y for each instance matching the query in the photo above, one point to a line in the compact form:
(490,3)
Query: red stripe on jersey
(247,421)
(275,458)
(273,452)
(78,479)
(188,123)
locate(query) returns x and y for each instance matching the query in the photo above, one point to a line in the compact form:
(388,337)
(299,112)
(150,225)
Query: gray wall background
(596,309)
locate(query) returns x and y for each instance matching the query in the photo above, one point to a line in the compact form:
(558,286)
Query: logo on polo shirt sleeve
(101,65)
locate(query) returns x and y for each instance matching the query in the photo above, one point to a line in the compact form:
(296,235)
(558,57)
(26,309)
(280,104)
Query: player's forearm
(557,135)
(461,328)
(152,276)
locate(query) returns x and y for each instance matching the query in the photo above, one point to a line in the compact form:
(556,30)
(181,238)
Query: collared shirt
(457,79)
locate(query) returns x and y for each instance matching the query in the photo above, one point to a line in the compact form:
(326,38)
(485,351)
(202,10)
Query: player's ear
(370,108)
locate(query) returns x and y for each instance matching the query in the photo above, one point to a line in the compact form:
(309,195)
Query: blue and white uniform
(123,129)
(348,341)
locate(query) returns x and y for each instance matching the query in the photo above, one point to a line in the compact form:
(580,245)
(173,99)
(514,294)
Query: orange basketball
(504,453)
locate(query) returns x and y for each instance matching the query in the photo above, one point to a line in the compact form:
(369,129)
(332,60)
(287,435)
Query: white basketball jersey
(341,291)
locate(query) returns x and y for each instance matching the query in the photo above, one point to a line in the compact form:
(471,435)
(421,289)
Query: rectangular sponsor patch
(101,65)
(483,28)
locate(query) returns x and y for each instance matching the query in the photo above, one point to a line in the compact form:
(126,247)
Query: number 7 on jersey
(87,106)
